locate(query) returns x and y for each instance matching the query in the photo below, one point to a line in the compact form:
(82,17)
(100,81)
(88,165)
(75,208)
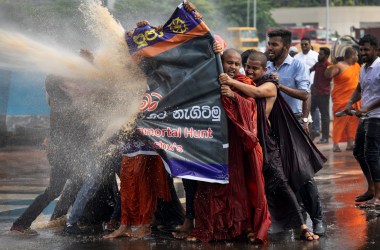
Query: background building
(341,19)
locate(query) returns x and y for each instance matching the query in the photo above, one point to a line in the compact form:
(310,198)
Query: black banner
(181,112)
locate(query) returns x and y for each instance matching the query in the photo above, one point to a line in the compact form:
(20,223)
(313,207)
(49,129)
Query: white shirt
(370,87)
(309,60)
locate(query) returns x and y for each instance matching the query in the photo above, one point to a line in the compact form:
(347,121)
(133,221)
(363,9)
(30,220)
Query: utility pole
(254,13)
(247,13)
(327,20)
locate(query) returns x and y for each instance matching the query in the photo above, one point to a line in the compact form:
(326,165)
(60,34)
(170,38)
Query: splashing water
(113,70)
(106,93)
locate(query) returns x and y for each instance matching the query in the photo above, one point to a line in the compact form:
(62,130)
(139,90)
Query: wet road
(24,173)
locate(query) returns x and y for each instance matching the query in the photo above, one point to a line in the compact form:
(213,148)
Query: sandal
(369,205)
(363,197)
(308,235)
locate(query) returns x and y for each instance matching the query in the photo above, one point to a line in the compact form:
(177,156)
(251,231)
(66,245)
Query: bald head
(349,52)
(229,52)
(259,56)
(231,61)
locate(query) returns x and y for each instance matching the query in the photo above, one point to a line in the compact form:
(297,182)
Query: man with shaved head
(280,185)
(225,212)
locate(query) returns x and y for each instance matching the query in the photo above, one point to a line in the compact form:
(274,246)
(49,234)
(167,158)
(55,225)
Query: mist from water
(114,75)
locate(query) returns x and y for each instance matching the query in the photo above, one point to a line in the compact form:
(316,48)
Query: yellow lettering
(150,35)
(140,41)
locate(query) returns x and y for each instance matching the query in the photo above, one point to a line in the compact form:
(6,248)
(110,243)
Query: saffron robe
(345,84)
(226,211)
(143,181)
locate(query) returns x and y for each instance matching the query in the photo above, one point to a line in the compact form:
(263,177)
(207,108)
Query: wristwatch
(305,120)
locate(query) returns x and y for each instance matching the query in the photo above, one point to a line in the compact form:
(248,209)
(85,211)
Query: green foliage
(313,3)
(218,14)
(29,12)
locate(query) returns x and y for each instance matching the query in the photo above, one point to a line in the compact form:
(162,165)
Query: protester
(245,55)
(346,77)
(225,212)
(320,94)
(281,197)
(59,151)
(295,86)
(143,181)
(367,140)
(309,58)
(293,51)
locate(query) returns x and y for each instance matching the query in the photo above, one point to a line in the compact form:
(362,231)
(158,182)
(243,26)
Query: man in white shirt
(367,140)
(309,58)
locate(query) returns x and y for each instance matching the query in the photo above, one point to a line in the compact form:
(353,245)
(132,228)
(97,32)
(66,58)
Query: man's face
(254,70)
(231,64)
(276,48)
(368,52)
(305,46)
(321,56)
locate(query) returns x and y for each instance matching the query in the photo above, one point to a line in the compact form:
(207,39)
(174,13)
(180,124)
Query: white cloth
(309,60)
(370,86)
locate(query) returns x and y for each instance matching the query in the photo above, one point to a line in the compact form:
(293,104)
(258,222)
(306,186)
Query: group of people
(271,167)
(272,159)
(355,107)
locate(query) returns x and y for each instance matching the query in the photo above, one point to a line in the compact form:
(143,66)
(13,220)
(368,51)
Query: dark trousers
(190,187)
(311,201)
(58,176)
(322,102)
(367,147)
(68,195)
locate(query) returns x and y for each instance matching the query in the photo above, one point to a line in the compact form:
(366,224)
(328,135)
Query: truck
(316,35)
(243,38)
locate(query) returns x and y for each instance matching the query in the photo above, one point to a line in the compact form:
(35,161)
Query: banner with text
(181,112)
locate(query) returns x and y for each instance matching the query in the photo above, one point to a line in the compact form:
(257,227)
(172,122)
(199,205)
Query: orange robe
(227,211)
(142,181)
(345,84)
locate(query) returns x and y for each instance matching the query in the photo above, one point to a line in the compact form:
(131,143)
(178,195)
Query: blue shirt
(292,73)
(370,87)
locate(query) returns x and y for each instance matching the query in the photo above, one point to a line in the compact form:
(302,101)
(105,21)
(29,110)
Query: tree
(218,14)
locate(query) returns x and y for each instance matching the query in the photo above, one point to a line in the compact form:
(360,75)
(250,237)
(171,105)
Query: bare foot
(192,239)
(187,226)
(253,240)
(308,235)
(141,231)
(122,231)
(184,230)
(180,235)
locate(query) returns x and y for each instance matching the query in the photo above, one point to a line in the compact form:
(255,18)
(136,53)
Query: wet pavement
(24,173)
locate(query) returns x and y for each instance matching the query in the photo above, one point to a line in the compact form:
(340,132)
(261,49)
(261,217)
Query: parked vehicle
(243,38)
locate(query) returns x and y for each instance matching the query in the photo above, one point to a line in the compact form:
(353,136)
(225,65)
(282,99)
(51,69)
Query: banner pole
(219,63)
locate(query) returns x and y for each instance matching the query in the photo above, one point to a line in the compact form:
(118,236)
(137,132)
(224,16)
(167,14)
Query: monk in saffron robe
(346,77)
(143,181)
(227,211)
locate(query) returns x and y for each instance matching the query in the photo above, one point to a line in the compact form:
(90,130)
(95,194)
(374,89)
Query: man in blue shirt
(295,86)
(293,76)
